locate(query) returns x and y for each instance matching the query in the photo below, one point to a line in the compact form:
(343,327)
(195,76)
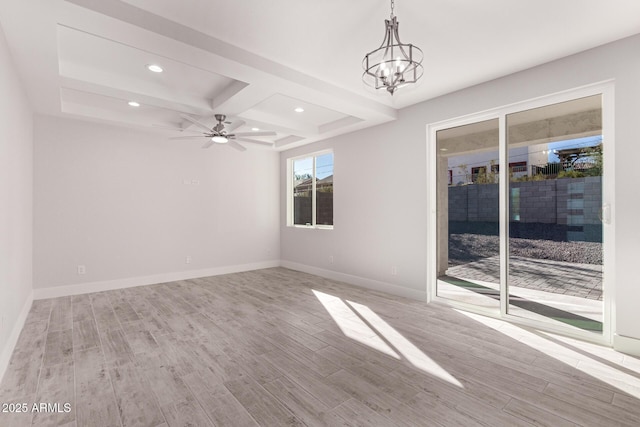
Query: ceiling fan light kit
(155,68)
(394,64)
(220,139)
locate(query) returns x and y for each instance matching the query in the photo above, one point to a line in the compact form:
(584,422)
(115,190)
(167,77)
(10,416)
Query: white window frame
(289,189)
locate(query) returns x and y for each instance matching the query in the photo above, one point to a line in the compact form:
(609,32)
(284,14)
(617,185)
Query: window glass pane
(324,189)
(555,231)
(302,190)
(468,214)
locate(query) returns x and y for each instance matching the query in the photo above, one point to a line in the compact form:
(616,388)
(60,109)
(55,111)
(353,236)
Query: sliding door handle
(605,214)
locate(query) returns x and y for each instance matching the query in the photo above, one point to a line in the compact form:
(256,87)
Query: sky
(588,141)
(324,166)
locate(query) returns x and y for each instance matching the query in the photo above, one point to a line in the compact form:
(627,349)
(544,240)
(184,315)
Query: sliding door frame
(606,90)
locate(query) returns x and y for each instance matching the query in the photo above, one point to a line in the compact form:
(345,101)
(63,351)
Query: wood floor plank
(59,347)
(627,404)
(217,401)
(216,360)
(260,369)
(303,355)
(358,350)
(262,406)
(56,386)
(185,413)
(360,389)
(141,341)
(355,413)
(470,390)
(123,310)
(96,404)
(134,396)
(103,311)
(81,308)
(115,347)
(40,311)
(21,377)
(311,381)
(85,334)
(167,386)
(535,415)
(576,398)
(61,315)
(297,400)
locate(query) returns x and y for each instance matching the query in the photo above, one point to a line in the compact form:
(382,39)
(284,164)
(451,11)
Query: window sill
(312,227)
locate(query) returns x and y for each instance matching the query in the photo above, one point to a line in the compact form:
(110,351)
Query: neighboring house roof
(305,184)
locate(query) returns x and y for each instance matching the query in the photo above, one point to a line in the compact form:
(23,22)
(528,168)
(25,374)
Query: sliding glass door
(520,219)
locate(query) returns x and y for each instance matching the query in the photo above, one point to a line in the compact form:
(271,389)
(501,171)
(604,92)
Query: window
(478,173)
(310,199)
(518,167)
(513,167)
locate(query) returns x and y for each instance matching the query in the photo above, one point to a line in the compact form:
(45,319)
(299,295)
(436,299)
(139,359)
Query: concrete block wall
(569,208)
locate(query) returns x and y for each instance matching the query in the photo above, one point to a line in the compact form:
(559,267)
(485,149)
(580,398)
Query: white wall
(380,180)
(114,200)
(16,207)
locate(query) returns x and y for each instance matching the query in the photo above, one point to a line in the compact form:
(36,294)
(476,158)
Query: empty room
(269,213)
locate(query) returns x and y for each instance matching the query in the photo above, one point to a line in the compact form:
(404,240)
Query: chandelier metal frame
(394,64)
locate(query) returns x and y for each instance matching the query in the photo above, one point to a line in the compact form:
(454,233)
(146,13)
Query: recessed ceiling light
(299,110)
(255,129)
(134,104)
(155,68)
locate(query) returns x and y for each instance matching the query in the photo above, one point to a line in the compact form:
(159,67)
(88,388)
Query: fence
(555,209)
(324,209)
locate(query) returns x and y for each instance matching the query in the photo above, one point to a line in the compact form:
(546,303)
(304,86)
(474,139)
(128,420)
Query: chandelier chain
(393,4)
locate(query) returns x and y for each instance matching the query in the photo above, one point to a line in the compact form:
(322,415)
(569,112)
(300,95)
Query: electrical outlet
(187,260)
(394,270)
(82,269)
(330,259)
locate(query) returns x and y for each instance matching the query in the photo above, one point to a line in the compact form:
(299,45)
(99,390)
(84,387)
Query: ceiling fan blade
(235,145)
(177,129)
(255,141)
(208,144)
(187,137)
(195,122)
(234,125)
(260,133)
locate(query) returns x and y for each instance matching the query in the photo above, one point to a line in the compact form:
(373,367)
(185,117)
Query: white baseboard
(10,345)
(85,288)
(626,345)
(363,282)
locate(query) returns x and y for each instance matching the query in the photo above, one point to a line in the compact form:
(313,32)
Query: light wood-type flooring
(276,347)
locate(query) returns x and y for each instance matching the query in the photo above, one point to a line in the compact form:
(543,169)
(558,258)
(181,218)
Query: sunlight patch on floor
(351,325)
(406,348)
(598,362)
(362,324)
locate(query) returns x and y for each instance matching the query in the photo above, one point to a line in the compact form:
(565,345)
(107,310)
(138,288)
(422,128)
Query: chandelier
(394,64)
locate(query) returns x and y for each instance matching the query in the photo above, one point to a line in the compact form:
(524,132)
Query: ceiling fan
(221,134)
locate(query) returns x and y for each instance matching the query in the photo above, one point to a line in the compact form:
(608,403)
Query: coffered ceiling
(257,60)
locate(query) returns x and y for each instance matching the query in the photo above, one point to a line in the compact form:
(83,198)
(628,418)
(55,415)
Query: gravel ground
(464,248)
